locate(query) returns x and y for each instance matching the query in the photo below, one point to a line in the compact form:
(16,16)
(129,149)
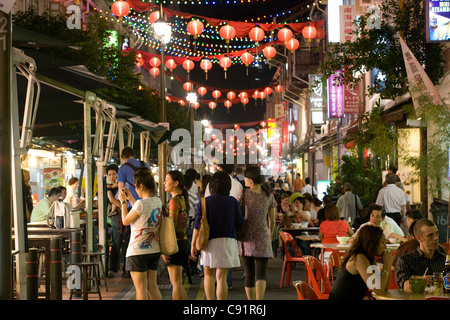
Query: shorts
(143,262)
(181,257)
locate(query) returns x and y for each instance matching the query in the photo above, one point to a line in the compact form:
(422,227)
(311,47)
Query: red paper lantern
(263,124)
(231,95)
(247,58)
(181,102)
(195,27)
(284,34)
(269,52)
(196,105)
(320,34)
(256,34)
(120,8)
(202,91)
(153,17)
(154,71)
(243,95)
(261,95)
(155,62)
(292,44)
(228,105)
(255,94)
(188,65)
(227,32)
(216,94)
(268,90)
(187,86)
(170,64)
(139,60)
(309,32)
(206,65)
(279,88)
(244,101)
(212,105)
(225,63)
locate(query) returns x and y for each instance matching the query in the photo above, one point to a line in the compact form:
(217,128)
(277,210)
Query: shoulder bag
(203,231)
(167,238)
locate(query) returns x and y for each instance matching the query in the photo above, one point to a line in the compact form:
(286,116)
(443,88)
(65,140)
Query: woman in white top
(143,253)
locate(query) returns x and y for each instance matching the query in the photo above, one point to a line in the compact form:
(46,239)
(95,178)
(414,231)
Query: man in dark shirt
(429,257)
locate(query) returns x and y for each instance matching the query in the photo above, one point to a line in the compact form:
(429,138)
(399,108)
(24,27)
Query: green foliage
(379,50)
(375,135)
(363,175)
(433,164)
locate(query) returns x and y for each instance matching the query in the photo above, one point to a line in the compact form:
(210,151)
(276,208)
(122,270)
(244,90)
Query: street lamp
(162,32)
(192,98)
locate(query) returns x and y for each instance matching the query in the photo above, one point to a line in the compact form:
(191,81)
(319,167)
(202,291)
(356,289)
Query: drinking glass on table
(438,282)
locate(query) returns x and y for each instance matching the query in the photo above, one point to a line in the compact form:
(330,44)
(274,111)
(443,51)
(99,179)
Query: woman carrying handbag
(221,252)
(178,209)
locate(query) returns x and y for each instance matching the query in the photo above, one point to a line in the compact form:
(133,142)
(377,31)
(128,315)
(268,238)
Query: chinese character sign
(351,99)
(335,97)
(347,14)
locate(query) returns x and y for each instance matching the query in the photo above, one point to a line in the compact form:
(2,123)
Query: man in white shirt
(309,188)
(377,218)
(392,199)
(236,186)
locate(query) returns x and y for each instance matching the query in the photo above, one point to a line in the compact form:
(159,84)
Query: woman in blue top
(224,218)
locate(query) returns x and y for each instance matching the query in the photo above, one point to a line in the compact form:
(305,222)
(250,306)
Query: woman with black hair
(255,245)
(178,209)
(354,279)
(224,219)
(143,253)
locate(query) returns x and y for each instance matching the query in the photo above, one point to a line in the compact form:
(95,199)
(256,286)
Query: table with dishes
(400,294)
(343,247)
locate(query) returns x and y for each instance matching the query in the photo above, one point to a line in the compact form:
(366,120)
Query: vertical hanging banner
(335,97)
(316,98)
(351,99)
(419,82)
(347,16)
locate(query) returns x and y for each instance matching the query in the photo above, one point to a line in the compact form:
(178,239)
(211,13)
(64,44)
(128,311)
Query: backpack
(135,168)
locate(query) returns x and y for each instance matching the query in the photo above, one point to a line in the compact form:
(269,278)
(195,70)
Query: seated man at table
(377,218)
(40,211)
(429,257)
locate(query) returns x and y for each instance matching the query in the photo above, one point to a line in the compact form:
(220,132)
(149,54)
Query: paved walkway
(122,288)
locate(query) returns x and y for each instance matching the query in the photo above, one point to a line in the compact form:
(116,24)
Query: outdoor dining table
(43,241)
(400,294)
(298,231)
(342,247)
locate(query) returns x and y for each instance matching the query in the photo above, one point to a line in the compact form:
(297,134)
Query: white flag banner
(419,82)
(6,5)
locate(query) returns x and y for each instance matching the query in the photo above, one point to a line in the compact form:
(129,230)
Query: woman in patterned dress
(178,208)
(255,245)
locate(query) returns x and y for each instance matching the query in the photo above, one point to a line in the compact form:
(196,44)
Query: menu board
(53,178)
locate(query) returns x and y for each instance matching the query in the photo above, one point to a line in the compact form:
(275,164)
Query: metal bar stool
(88,268)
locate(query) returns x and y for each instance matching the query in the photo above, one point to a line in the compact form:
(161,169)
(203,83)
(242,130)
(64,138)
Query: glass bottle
(446,275)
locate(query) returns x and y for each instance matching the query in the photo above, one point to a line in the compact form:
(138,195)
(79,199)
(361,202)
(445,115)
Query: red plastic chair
(317,277)
(446,245)
(288,259)
(304,291)
(334,261)
(437,298)
(392,283)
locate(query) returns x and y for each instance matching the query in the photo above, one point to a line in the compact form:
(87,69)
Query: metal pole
(32,270)
(162,147)
(55,269)
(5,156)
(88,161)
